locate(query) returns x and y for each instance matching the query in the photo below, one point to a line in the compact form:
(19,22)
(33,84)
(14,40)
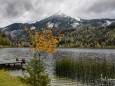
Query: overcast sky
(12,11)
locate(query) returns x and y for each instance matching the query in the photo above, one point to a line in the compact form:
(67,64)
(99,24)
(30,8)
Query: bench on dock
(7,63)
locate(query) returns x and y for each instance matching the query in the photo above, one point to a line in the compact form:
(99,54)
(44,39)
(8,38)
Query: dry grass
(8,80)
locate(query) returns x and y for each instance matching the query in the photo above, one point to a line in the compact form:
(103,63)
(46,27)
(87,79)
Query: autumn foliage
(43,41)
(40,42)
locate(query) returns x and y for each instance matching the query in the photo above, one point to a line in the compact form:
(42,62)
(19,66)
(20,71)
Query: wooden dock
(14,63)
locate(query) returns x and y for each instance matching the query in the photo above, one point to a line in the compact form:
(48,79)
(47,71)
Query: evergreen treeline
(90,37)
(83,37)
(4,41)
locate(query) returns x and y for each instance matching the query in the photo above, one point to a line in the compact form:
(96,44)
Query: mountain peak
(78,18)
(59,13)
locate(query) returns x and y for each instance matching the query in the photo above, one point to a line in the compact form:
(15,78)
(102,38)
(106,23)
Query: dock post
(14,65)
(8,65)
(21,64)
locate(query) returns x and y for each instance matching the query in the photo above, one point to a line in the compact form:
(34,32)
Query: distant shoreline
(58,47)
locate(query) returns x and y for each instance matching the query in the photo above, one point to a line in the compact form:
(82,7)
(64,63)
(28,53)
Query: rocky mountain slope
(60,22)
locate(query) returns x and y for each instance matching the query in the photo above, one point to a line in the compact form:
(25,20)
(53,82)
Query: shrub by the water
(37,76)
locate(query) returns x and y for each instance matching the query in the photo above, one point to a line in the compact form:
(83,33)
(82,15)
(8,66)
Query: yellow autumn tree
(40,42)
(43,41)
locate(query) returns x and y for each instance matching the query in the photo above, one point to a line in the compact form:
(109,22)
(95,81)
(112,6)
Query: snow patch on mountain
(15,33)
(61,14)
(50,25)
(74,25)
(78,19)
(56,25)
(108,22)
(32,22)
(32,28)
(4,29)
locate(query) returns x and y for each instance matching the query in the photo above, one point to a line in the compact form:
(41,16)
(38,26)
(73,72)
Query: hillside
(4,40)
(83,33)
(90,37)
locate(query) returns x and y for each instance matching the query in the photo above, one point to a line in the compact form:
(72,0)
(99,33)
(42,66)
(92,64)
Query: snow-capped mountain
(58,21)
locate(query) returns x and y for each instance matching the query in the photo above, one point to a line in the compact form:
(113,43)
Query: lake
(9,54)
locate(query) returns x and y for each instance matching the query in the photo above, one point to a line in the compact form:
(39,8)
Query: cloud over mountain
(30,10)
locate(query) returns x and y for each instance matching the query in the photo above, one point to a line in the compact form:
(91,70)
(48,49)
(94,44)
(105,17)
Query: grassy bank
(85,69)
(8,80)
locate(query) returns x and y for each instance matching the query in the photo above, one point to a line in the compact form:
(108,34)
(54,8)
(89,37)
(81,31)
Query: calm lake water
(9,54)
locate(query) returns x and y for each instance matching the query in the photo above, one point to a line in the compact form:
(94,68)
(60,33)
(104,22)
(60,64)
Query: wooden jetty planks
(3,63)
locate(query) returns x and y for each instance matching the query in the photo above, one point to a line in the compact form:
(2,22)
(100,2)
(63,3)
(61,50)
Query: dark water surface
(9,54)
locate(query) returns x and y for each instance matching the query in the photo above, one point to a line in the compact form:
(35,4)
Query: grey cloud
(15,8)
(30,10)
(101,6)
